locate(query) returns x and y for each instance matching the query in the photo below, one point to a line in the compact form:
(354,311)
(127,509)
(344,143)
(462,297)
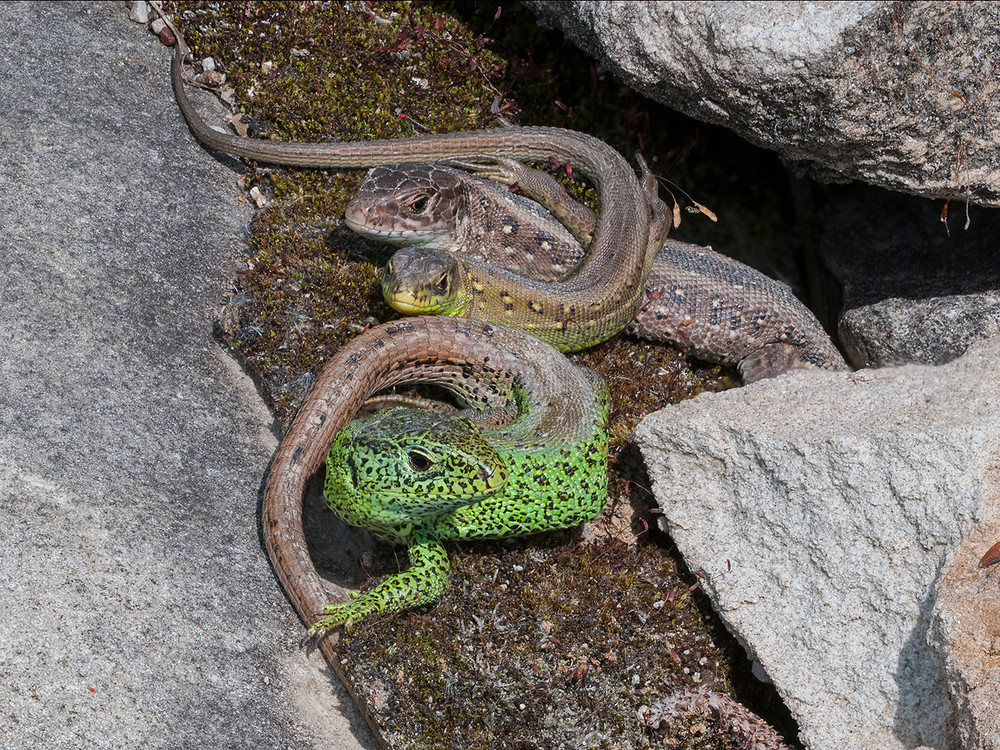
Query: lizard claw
(317,632)
(992,556)
(335,615)
(311,638)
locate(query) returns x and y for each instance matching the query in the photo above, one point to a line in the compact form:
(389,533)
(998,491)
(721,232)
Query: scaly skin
(713,306)
(441,208)
(588,305)
(562,411)
(554,452)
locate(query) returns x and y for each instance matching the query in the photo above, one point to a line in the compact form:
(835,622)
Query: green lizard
(555,449)
(528,454)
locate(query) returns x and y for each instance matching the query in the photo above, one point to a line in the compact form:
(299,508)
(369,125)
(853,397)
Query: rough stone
(138,608)
(901,95)
(821,511)
(914,292)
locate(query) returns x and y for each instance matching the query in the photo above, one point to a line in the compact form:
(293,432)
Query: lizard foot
(335,616)
(496,168)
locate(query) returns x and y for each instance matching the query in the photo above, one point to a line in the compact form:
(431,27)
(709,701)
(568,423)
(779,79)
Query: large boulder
(836,520)
(901,95)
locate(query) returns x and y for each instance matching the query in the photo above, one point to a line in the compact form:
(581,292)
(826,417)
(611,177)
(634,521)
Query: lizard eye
(419,205)
(441,283)
(419,461)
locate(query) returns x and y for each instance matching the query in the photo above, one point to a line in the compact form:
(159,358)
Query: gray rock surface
(900,95)
(912,291)
(822,510)
(138,607)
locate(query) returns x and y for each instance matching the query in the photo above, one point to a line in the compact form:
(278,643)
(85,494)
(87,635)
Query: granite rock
(900,95)
(914,291)
(822,512)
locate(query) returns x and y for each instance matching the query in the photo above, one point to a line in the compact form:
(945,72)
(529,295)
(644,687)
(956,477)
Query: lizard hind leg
(772,360)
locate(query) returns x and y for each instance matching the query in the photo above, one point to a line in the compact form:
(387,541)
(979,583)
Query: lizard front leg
(421,583)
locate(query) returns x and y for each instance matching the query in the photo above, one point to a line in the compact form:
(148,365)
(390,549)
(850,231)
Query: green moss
(546,640)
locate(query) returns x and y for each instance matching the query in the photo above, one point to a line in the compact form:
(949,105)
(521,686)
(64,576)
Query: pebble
(139,12)
(257,197)
(211,78)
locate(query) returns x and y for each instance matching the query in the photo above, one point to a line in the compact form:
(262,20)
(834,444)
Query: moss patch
(534,656)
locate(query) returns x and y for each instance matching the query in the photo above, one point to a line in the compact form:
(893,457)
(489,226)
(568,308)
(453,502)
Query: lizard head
(413,204)
(405,467)
(423,281)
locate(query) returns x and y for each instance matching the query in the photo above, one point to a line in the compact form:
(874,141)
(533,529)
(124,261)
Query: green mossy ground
(544,642)
(541,660)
